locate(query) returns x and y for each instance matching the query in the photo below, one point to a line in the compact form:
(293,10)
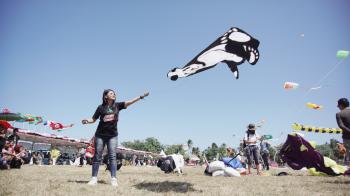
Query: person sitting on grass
(19,157)
(7,154)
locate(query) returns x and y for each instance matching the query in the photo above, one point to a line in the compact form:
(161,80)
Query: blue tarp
(234,163)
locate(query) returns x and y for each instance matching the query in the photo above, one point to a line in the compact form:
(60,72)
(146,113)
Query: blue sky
(57,57)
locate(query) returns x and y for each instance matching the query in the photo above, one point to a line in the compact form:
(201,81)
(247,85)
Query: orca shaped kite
(233,48)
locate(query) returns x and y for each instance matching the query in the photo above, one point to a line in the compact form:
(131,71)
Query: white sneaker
(114,182)
(93,181)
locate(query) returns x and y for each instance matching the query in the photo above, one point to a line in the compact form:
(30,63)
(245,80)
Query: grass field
(70,180)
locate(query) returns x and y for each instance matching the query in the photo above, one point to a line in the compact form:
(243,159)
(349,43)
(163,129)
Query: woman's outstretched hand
(84,121)
(144,95)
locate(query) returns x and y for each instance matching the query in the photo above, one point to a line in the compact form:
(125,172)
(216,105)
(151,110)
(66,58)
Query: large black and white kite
(233,48)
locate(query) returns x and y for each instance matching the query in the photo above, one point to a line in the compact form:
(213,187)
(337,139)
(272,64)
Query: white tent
(162,154)
(194,158)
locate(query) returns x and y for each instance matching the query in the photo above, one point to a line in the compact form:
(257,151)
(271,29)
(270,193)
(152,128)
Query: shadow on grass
(161,187)
(339,182)
(85,181)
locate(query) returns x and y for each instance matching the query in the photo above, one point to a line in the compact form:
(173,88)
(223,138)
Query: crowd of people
(13,155)
(255,147)
(253,152)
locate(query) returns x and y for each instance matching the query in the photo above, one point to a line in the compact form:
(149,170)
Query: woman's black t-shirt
(108,115)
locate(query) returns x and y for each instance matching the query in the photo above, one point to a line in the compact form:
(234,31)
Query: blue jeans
(100,142)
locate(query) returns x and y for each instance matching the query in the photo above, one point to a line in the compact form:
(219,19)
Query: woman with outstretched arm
(107,131)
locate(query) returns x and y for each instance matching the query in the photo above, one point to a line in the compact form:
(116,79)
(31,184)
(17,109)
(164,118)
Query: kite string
(161,91)
(326,76)
(318,84)
(320,81)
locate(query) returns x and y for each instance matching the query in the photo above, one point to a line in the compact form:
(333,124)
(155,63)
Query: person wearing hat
(252,150)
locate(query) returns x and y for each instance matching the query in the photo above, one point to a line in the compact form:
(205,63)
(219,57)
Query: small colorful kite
(260,123)
(314,106)
(293,86)
(38,120)
(267,137)
(232,48)
(300,127)
(290,85)
(342,54)
(28,118)
(58,126)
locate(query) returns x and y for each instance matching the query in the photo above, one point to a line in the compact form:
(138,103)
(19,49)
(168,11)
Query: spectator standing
(265,153)
(251,149)
(107,132)
(343,120)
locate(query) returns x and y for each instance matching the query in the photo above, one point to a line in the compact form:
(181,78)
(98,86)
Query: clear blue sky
(56,58)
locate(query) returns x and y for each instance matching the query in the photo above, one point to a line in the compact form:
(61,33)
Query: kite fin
(233,68)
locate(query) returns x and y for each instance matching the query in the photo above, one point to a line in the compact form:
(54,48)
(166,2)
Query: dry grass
(69,180)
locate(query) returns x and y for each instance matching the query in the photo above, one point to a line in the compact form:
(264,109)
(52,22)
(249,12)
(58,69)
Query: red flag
(59,126)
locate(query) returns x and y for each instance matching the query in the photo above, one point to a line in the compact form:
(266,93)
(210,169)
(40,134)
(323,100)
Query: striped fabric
(300,127)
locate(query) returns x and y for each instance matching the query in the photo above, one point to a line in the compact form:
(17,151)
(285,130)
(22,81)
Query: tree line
(215,151)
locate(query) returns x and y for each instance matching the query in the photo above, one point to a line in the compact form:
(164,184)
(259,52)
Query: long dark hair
(249,131)
(104,99)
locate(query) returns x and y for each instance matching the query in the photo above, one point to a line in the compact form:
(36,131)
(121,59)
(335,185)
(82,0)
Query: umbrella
(5,124)
(10,117)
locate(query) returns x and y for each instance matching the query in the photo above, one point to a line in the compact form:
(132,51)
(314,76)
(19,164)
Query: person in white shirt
(251,148)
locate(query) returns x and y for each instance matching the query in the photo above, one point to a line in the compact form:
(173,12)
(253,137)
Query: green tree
(151,144)
(330,150)
(333,144)
(174,149)
(325,150)
(136,145)
(222,150)
(214,152)
(196,151)
(272,152)
(214,145)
